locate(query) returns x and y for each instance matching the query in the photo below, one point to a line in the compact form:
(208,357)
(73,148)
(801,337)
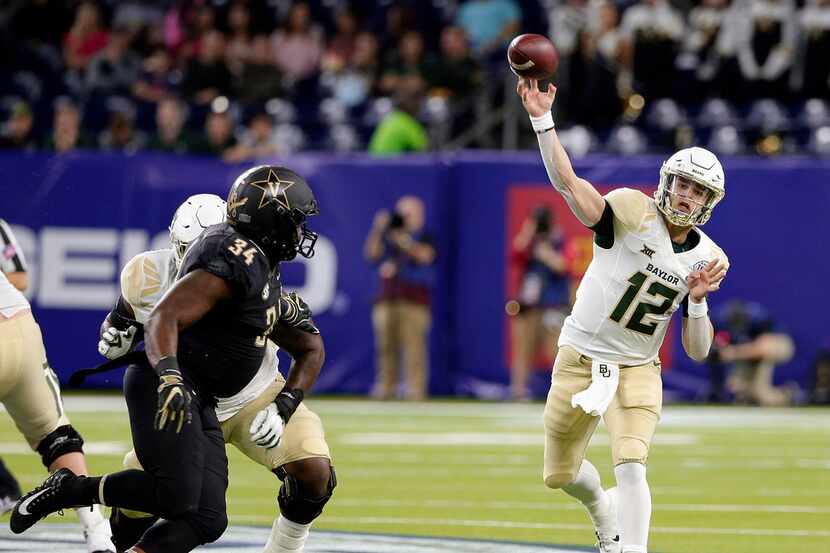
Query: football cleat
(608,539)
(99,538)
(47,498)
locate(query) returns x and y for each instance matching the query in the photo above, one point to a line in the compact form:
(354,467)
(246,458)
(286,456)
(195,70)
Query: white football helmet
(700,166)
(192,217)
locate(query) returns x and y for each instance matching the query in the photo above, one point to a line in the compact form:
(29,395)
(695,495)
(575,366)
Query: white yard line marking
(575,506)
(566,526)
(483,438)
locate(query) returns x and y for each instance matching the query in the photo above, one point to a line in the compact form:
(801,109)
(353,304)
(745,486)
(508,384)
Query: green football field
(724,480)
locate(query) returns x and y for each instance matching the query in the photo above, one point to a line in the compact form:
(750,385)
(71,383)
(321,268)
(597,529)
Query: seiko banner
(79,218)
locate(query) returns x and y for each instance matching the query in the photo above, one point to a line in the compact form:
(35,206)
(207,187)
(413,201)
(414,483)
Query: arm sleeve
(11,256)
(604,229)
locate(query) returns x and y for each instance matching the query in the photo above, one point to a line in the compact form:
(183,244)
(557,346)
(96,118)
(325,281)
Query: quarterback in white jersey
(649,259)
(144,281)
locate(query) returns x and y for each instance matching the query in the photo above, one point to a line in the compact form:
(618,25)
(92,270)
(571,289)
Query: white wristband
(698,310)
(542,123)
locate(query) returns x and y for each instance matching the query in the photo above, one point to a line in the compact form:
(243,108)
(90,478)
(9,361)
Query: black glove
(296,313)
(287,402)
(173,397)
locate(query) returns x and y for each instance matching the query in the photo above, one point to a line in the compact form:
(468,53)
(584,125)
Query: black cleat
(47,498)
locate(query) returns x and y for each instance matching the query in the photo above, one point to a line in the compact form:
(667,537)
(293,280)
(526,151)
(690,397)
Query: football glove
(295,312)
(268,425)
(173,398)
(114,343)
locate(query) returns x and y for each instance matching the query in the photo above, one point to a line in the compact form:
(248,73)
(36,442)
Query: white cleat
(99,538)
(607,527)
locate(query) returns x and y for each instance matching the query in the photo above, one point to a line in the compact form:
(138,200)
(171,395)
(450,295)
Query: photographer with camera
(543,299)
(405,256)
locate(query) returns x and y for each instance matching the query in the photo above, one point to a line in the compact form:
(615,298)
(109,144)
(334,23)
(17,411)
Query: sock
(587,488)
(90,516)
(635,517)
(83,490)
(287,536)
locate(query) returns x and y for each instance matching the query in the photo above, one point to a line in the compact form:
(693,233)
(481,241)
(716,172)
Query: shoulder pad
(141,280)
(630,207)
(230,256)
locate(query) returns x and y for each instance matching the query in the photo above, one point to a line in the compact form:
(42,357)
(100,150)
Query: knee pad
(559,480)
(296,504)
(127,530)
(630,450)
(64,439)
(210,529)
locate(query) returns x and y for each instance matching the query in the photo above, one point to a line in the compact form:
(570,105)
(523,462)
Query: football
(532,56)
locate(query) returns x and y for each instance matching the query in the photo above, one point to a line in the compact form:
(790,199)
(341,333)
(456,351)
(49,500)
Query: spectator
(820,385)
(408,60)
(652,31)
(709,47)
(17,132)
(170,119)
(298,48)
(85,38)
(342,44)
(544,295)
(115,68)
(814,20)
(400,131)
(120,134)
(405,257)
(66,134)
(218,136)
(747,342)
(353,83)
(207,76)
(259,78)
(489,24)
(599,103)
(258,140)
(568,24)
(239,41)
(766,46)
(156,79)
(456,72)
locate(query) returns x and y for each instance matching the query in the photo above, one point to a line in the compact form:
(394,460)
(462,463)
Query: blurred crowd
(247,78)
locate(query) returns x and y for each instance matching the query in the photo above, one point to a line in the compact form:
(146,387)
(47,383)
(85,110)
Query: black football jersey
(220,353)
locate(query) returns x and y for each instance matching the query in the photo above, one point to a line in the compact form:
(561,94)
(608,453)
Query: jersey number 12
(656,289)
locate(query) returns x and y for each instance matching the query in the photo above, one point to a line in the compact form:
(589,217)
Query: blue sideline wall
(80,218)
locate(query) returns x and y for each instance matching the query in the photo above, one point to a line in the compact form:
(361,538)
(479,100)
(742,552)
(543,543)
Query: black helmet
(269,204)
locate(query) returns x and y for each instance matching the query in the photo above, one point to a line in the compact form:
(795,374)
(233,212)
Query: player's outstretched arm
(184,304)
(307,351)
(698,332)
(583,199)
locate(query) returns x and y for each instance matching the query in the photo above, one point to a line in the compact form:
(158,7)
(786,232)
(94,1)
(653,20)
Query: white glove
(267,427)
(115,343)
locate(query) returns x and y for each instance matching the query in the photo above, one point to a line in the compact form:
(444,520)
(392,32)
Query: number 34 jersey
(633,285)
(223,351)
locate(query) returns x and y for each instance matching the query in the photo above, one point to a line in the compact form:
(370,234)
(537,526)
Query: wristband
(169,363)
(698,310)
(287,402)
(543,123)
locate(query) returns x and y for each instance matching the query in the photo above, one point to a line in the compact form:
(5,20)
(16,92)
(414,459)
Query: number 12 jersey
(633,285)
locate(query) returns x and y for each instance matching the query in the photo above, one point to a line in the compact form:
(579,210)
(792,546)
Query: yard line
(482,438)
(565,526)
(574,506)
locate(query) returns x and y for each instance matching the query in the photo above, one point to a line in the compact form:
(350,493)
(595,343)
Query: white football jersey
(12,300)
(630,290)
(144,281)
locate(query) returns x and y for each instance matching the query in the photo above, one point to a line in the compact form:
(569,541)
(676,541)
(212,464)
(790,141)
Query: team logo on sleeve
(699,266)
(266,291)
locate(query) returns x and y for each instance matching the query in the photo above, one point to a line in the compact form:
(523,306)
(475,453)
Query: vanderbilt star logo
(647,251)
(277,188)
